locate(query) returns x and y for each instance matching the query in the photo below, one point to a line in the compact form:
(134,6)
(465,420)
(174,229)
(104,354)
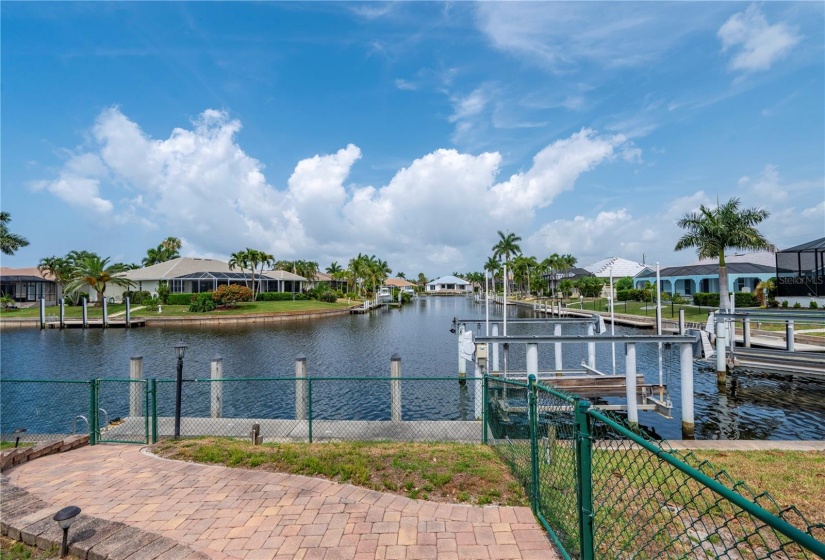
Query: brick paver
(243,514)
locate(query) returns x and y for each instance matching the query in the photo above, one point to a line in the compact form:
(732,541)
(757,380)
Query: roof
(765,258)
(448,280)
(710,270)
(188,267)
(30,274)
(398,283)
(815,245)
(621,267)
(572,272)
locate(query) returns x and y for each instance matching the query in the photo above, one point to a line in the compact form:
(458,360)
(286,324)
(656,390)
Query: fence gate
(121,411)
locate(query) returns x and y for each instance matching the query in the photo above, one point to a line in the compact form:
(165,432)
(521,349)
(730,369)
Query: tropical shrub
(202,303)
(625,283)
(282,296)
(230,295)
(328,297)
(6,301)
(566,287)
(785,304)
(181,299)
(151,304)
(590,286)
(137,298)
(813,304)
(797,305)
(742,299)
(163,292)
(746,299)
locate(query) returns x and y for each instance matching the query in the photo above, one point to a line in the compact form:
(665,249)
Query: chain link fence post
(484,388)
(584,478)
(532,420)
(309,407)
(153,388)
(146,414)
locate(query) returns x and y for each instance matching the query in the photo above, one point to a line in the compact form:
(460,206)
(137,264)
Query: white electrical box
(481,351)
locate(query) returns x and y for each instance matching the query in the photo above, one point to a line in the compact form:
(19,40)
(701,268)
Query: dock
(116,323)
(367,306)
(780,361)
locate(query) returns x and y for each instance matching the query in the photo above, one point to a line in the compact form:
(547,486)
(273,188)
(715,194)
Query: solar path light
(65,517)
(180,351)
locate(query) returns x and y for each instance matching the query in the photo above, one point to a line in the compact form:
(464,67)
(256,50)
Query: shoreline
(204,320)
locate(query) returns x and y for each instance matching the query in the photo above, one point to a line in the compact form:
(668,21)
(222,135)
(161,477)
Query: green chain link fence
(47,410)
(604,490)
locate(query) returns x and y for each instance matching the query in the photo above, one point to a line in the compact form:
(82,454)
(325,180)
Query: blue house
(744,273)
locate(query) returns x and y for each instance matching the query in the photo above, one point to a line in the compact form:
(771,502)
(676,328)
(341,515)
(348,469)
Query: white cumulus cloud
(755,43)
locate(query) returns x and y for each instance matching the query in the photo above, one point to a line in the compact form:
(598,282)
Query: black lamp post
(180,350)
(65,517)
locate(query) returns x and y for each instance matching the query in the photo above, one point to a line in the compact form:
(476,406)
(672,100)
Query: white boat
(384,295)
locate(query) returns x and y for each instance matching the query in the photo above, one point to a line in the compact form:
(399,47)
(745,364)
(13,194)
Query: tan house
(28,285)
(401,284)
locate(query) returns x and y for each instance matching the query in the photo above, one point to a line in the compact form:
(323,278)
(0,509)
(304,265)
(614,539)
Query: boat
(384,295)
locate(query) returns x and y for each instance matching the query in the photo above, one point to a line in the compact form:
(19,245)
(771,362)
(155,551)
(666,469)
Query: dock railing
(604,490)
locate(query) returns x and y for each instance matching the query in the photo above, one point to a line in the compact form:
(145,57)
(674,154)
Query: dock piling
(128,312)
(301,387)
(395,387)
(746,332)
(462,363)
(62,305)
(42,313)
(686,366)
(216,387)
(789,343)
(495,349)
(721,347)
(591,348)
(681,321)
(557,347)
(85,313)
(105,313)
(630,383)
(135,388)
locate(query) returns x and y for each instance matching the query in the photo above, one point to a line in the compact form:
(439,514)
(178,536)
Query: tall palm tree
(61,269)
(171,244)
(240,259)
(333,268)
(165,251)
(714,230)
(494,267)
(506,248)
(96,273)
(9,242)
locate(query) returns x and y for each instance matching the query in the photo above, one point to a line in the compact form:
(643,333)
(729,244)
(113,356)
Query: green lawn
(183,310)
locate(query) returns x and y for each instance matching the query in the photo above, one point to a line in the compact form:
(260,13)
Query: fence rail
(600,487)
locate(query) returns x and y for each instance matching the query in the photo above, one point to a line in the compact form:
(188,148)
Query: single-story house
(448,284)
(401,284)
(619,266)
(555,277)
(193,275)
(332,282)
(745,271)
(800,273)
(28,285)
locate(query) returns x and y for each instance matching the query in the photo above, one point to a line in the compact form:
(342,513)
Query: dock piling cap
(301,357)
(395,357)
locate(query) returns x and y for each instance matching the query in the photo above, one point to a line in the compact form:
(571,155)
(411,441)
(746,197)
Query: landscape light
(65,517)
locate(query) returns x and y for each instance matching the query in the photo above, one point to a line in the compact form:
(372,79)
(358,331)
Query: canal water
(750,407)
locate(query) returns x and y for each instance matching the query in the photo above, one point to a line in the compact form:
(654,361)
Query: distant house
(332,282)
(573,273)
(401,284)
(800,273)
(192,275)
(449,284)
(745,271)
(620,268)
(28,285)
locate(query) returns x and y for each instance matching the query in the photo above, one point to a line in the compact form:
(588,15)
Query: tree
(401,275)
(625,283)
(506,248)
(9,242)
(165,251)
(765,292)
(422,281)
(712,231)
(493,266)
(333,268)
(61,269)
(96,273)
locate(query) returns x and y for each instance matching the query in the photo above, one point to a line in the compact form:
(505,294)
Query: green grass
(14,550)
(183,310)
(10,444)
(444,472)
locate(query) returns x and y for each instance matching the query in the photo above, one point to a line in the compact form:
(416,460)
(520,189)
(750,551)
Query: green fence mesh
(47,410)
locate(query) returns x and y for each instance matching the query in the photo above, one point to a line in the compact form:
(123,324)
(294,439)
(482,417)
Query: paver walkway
(236,513)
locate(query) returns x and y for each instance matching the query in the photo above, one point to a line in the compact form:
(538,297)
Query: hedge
(180,299)
(281,296)
(742,299)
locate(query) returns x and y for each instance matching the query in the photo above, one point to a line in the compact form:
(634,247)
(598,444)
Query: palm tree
(333,268)
(422,281)
(240,260)
(714,230)
(494,267)
(165,251)
(96,272)
(9,242)
(764,291)
(59,268)
(172,245)
(507,247)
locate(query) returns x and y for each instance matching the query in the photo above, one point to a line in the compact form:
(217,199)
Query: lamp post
(180,350)
(65,517)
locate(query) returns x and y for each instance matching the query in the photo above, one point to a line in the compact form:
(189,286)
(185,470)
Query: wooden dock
(116,323)
(366,307)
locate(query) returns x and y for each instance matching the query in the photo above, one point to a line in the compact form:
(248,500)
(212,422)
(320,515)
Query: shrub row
(180,299)
(742,299)
(281,296)
(138,297)
(632,295)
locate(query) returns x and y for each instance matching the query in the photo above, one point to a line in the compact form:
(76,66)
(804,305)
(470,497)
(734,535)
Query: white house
(620,267)
(449,285)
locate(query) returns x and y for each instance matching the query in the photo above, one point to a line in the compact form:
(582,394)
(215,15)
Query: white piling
(506,281)
(216,387)
(85,313)
(612,322)
(533,359)
(486,303)
(686,366)
(746,332)
(591,348)
(681,321)
(136,389)
(462,363)
(300,387)
(732,325)
(721,347)
(630,382)
(128,313)
(42,313)
(105,312)
(494,366)
(789,343)
(62,312)
(557,348)
(395,387)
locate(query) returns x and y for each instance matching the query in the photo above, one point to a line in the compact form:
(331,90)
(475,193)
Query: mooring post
(479,395)
(721,347)
(128,313)
(62,312)
(789,344)
(686,364)
(300,387)
(85,313)
(533,360)
(395,387)
(630,382)
(557,347)
(681,321)
(42,313)
(591,348)
(216,387)
(136,390)
(746,332)
(462,363)
(494,367)
(506,351)
(105,312)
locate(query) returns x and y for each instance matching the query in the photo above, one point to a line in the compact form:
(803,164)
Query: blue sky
(412,131)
